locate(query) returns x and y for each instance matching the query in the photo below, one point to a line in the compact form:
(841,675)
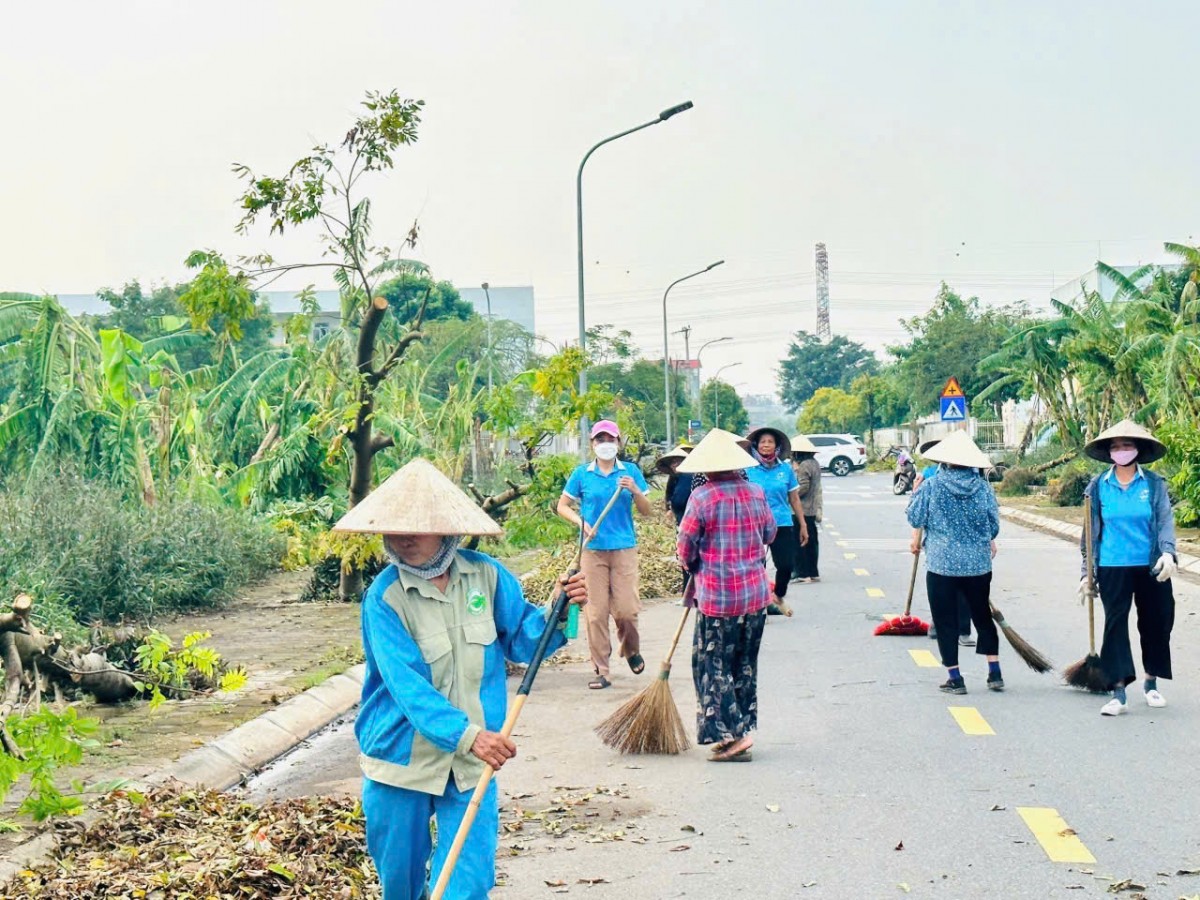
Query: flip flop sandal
(744,756)
(599,683)
(637,665)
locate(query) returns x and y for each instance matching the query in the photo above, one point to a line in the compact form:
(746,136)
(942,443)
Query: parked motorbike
(904,475)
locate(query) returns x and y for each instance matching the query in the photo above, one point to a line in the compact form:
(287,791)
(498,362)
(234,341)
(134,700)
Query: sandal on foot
(744,756)
(599,683)
(742,744)
(637,665)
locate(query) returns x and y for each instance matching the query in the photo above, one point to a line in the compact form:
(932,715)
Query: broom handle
(510,721)
(912,580)
(1091,583)
(464,827)
(687,611)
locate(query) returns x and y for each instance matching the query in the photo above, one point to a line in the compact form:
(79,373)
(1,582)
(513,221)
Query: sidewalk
(1189,566)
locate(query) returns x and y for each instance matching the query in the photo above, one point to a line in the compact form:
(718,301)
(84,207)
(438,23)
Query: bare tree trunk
(363,445)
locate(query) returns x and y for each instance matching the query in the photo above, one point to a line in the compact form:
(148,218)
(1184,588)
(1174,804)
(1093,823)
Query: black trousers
(783,555)
(806,556)
(945,593)
(1120,588)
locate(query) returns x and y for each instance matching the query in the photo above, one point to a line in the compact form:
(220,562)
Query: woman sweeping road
(770,447)
(808,481)
(960,518)
(1133,544)
(611,560)
(721,542)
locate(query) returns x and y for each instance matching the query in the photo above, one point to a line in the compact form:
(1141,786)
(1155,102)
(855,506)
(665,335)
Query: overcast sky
(1001,146)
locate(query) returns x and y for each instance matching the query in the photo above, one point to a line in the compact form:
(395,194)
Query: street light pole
(489,334)
(706,343)
(662,117)
(666,352)
(717,396)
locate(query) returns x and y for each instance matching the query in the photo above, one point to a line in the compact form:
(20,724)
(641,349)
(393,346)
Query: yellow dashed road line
(850,555)
(925,659)
(874,592)
(843,543)
(1057,838)
(970,720)
(862,572)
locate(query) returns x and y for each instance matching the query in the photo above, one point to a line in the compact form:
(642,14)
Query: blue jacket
(1162,519)
(424,647)
(961,517)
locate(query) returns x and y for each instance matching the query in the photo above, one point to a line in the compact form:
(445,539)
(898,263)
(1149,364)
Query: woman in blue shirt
(961,518)
(771,448)
(1133,543)
(611,559)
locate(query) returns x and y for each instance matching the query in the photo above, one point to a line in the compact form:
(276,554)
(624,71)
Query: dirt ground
(286,647)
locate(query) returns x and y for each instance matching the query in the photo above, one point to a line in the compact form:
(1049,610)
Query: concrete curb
(1189,566)
(230,759)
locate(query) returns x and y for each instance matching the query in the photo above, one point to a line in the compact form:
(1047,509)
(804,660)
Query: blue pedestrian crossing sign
(954,409)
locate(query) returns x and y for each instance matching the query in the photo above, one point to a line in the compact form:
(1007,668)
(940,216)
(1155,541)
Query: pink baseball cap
(605,426)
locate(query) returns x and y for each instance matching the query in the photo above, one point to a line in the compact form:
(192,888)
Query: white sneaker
(1114,707)
(1155,699)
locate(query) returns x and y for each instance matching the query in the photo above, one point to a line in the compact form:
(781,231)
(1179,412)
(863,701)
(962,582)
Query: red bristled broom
(907,624)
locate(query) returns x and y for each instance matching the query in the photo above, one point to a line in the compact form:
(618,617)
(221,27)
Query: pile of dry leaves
(173,843)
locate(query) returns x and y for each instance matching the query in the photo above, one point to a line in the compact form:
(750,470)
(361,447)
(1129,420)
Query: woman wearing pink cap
(610,561)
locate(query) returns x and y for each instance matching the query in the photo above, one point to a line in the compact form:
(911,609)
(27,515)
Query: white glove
(1165,568)
(1082,590)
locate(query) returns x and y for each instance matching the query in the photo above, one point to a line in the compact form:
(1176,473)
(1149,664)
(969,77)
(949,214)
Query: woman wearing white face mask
(610,561)
(1133,544)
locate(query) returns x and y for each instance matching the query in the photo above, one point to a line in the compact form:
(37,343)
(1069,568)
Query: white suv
(840,454)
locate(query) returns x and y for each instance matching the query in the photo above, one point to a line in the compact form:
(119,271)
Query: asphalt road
(865,782)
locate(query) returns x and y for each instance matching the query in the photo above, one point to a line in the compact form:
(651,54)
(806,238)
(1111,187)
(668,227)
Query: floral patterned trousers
(725,671)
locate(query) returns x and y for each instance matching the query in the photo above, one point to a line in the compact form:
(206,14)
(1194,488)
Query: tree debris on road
(173,841)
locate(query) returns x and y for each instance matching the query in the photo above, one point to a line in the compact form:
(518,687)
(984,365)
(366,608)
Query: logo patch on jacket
(477,603)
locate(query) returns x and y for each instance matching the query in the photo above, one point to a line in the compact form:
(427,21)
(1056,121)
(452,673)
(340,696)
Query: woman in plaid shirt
(721,542)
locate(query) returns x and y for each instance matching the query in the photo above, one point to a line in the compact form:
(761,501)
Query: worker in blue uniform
(438,625)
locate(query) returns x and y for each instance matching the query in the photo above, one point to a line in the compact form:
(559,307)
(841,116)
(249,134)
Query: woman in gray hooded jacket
(960,518)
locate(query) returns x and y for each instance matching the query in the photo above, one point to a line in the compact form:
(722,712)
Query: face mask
(1123,457)
(606,451)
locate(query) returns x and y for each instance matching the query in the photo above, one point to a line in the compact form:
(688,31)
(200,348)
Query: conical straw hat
(1149,447)
(926,446)
(418,499)
(783,444)
(679,452)
(957,449)
(718,452)
(801,444)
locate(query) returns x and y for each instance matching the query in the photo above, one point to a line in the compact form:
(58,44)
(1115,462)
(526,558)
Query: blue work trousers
(399,841)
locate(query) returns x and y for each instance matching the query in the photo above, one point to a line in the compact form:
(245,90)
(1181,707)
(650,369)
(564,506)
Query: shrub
(1067,489)
(1016,482)
(1183,466)
(88,553)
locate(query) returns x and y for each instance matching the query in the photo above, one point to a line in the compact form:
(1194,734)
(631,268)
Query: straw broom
(1088,673)
(1032,657)
(510,721)
(650,722)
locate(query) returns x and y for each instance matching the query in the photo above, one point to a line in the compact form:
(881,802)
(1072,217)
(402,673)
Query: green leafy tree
(406,293)
(721,407)
(640,384)
(832,410)
(324,190)
(812,364)
(951,340)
